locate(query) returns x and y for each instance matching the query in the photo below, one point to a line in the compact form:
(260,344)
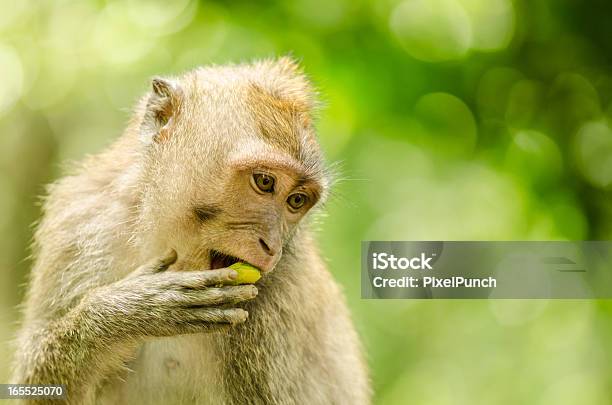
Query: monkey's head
(231,164)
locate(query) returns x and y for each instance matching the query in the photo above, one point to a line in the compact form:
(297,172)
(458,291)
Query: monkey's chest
(174,370)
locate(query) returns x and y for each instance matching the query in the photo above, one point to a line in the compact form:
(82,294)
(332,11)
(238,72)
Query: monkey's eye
(264,182)
(297,200)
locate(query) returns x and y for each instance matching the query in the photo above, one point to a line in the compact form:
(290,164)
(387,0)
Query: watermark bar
(26,391)
(486,270)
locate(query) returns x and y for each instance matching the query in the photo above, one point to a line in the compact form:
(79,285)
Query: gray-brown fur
(115,330)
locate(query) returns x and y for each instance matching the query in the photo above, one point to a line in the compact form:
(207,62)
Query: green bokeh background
(448,119)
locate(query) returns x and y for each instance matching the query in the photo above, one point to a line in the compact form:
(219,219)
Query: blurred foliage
(452,119)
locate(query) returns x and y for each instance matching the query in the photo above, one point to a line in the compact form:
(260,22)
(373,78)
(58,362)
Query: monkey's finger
(206,278)
(162,264)
(218,315)
(192,326)
(157,265)
(198,320)
(220,296)
(190,320)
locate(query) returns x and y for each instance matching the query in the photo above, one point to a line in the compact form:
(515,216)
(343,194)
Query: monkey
(130,298)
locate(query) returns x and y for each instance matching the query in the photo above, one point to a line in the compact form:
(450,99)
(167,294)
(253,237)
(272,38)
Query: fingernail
(233,274)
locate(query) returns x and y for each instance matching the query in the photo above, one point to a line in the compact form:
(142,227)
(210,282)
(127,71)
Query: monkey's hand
(93,338)
(154,302)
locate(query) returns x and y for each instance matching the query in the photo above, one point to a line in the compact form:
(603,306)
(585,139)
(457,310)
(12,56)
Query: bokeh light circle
(442,30)
(432,30)
(447,121)
(11,71)
(593,148)
(492,23)
(534,156)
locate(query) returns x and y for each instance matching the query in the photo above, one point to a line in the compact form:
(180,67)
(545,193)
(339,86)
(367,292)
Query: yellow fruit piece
(247,274)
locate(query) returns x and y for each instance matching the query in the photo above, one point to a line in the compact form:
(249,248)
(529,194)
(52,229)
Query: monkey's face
(248,209)
(253,211)
(234,168)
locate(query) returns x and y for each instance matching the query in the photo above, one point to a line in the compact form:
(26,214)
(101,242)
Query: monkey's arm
(94,337)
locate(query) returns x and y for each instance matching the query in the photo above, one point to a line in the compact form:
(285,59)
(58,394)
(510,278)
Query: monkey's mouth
(220,260)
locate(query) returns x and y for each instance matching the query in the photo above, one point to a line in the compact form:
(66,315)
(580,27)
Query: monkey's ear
(161,108)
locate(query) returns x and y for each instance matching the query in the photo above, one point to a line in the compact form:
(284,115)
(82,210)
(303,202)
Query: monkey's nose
(266,248)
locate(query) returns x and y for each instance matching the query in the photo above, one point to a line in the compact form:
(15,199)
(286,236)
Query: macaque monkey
(131,300)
